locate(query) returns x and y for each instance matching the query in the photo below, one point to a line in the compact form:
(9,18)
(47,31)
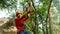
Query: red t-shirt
(19,21)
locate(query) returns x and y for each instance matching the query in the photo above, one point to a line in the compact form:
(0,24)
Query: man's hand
(18,31)
(29,9)
(29,15)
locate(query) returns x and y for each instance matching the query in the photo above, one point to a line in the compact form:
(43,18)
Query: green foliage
(7,3)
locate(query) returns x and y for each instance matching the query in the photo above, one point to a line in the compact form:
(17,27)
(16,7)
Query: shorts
(24,32)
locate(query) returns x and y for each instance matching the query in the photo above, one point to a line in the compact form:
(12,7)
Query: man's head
(19,14)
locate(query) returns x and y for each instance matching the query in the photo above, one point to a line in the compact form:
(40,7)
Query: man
(20,22)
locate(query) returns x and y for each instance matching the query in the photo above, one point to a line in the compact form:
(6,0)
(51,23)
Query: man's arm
(26,16)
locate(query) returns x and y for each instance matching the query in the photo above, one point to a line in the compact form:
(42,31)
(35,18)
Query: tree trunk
(50,23)
(50,18)
(47,25)
(40,14)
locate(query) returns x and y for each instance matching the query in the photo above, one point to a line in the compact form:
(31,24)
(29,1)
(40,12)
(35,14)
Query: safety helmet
(18,12)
